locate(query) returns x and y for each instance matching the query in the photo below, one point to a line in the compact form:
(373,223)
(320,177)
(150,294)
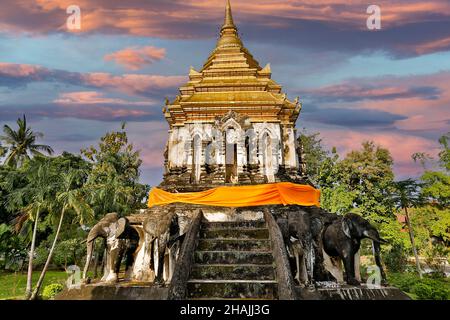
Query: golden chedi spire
(229,32)
(229,23)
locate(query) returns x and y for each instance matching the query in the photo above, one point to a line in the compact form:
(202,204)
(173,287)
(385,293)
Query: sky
(390,85)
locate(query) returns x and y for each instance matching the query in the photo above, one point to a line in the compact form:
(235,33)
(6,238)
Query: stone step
(233,245)
(237,289)
(206,225)
(233,272)
(233,257)
(238,233)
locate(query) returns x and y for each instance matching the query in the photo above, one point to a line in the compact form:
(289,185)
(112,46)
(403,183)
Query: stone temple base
(120,291)
(132,291)
(346,292)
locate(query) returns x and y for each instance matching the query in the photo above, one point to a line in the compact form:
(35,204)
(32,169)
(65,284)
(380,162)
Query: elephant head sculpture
(301,231)
(162,233)
(300,246)
(119,238)
(342,239)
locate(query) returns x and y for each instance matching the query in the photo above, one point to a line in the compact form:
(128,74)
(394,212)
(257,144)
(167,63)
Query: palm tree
(407,195)
(39,194)
(69,198)
(21,143)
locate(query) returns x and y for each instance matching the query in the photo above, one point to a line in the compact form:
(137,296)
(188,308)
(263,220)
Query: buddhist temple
(231,123)
(235,215)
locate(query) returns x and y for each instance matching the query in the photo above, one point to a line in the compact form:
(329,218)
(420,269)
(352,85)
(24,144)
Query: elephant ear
(347,227)
(121,227)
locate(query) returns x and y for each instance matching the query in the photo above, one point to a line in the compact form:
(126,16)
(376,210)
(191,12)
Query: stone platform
(127,291)
(120,291)
(346,292)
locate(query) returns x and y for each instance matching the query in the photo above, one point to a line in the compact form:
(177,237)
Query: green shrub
(430,289)
(427,288)
(51,291)
(404,282)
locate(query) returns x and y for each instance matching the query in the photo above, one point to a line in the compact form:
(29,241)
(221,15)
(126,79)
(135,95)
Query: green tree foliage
(367,174)
(362,182)
(10,179)
(13,252)
(69,197)
(113,183)
(39,192)
(432,219)
(437,183)
(406,194)
(314,155)
(45,201)
(22,143)
(32,194)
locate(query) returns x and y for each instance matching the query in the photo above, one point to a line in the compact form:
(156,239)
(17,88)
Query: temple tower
(231,123)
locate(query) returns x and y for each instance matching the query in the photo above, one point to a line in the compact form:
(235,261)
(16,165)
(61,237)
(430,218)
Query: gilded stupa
(231,123)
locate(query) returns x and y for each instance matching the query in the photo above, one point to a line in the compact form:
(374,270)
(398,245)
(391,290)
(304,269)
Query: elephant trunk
(90,250)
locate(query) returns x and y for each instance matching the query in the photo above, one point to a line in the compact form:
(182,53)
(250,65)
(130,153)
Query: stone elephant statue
(162,241)
(120,239)
(342,240)
(301,231)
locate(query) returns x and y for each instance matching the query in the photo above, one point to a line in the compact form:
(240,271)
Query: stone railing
(181,273)
(286,285)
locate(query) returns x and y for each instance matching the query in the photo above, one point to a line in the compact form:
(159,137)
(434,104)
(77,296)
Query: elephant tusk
(380,240)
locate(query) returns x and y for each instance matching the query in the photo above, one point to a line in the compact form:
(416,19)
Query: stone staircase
(233,260)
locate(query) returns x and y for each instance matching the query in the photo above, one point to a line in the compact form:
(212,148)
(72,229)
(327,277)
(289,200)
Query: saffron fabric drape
(284,193)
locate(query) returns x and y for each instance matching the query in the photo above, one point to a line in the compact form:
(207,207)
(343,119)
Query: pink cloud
(134,84)
(192,19)
(137,57)
(93,97)
(97,112)
(152,18)
(427,47)
(20,70)
(423,99)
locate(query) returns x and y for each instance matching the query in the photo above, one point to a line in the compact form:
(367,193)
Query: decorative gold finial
(229,32)
(229,23)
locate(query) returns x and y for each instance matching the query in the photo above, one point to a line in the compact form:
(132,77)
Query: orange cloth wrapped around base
(284,193)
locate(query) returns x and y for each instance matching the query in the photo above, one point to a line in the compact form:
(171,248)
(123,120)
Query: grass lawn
(12,285)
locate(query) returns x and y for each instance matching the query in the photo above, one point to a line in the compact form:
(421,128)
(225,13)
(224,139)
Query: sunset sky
(391,86)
